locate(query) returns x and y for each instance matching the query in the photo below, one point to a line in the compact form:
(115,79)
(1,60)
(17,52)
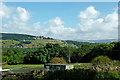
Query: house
(53,67)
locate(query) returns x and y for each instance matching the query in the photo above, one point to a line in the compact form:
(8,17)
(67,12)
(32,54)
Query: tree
(101,60)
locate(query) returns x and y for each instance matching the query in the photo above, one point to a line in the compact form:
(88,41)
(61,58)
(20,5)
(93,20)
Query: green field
(22,65)
(29,67)
(32,44)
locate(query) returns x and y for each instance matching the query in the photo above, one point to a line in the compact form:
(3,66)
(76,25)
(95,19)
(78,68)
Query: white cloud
(94,27)
(4,11)
(57,30)
(23,15)
(89,13)
(89,27)
(18,22)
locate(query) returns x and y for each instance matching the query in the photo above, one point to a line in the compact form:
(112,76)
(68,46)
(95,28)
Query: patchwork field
(27,43)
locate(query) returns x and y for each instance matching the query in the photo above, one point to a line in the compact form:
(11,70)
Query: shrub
(110,75)
(57,60)
(115,63)
(101,60)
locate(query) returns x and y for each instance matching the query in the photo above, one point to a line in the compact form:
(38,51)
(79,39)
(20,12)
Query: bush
(101,60)
(110,75)
(74,74)
(57,60)
(115,63)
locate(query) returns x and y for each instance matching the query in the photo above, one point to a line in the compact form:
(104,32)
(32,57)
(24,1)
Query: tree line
(85,53)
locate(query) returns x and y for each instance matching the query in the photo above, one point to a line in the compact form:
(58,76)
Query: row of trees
(85,53)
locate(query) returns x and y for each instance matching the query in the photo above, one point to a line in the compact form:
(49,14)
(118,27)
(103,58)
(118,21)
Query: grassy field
(28,67)
(34,43)
(22,65)
(76,65)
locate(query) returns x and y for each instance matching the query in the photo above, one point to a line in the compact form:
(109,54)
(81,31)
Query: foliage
(36,57)
(13,36)
(29,75)
(75,74)
(8,36)
(101,60)
(111,50)
(111,75)
(13,56)
(77,43)
(82,65)
(115,63)
(57,60)
(85,53)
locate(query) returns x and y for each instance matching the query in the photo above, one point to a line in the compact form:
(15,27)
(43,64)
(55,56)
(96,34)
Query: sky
(61,20)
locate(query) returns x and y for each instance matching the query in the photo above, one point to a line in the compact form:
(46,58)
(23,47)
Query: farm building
(53,67)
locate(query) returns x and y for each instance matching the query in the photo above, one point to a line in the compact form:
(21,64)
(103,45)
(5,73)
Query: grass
(29,67)
(22,65)
(82,65)
(21,68)
(34,43)
(76,65)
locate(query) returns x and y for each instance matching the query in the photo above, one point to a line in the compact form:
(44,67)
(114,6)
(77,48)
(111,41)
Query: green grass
(82,65)
(8,43)
(22,65)
(28,67)
(33,44)
(15,67)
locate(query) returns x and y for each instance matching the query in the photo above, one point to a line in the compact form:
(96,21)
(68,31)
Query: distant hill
(102,41)
(11,40)
(14,36)
(77,43)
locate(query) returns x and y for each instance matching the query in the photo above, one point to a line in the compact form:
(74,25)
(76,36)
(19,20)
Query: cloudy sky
(71,21)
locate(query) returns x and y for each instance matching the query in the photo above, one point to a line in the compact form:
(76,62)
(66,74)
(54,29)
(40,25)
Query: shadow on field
(75,74)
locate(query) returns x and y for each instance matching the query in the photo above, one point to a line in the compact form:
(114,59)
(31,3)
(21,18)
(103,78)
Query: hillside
(77,43)
(12,36)
(11,40)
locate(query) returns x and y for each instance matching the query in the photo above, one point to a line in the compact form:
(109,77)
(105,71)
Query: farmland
(26,58)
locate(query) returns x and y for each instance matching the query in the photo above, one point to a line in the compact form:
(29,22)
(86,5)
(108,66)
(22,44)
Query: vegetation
(77,43)
(8,36)
(22,65)
(101,60)
(85,53)
(77,74)
(39,50)
(57,60)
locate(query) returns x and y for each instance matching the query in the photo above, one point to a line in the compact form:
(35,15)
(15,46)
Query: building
(53,67)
